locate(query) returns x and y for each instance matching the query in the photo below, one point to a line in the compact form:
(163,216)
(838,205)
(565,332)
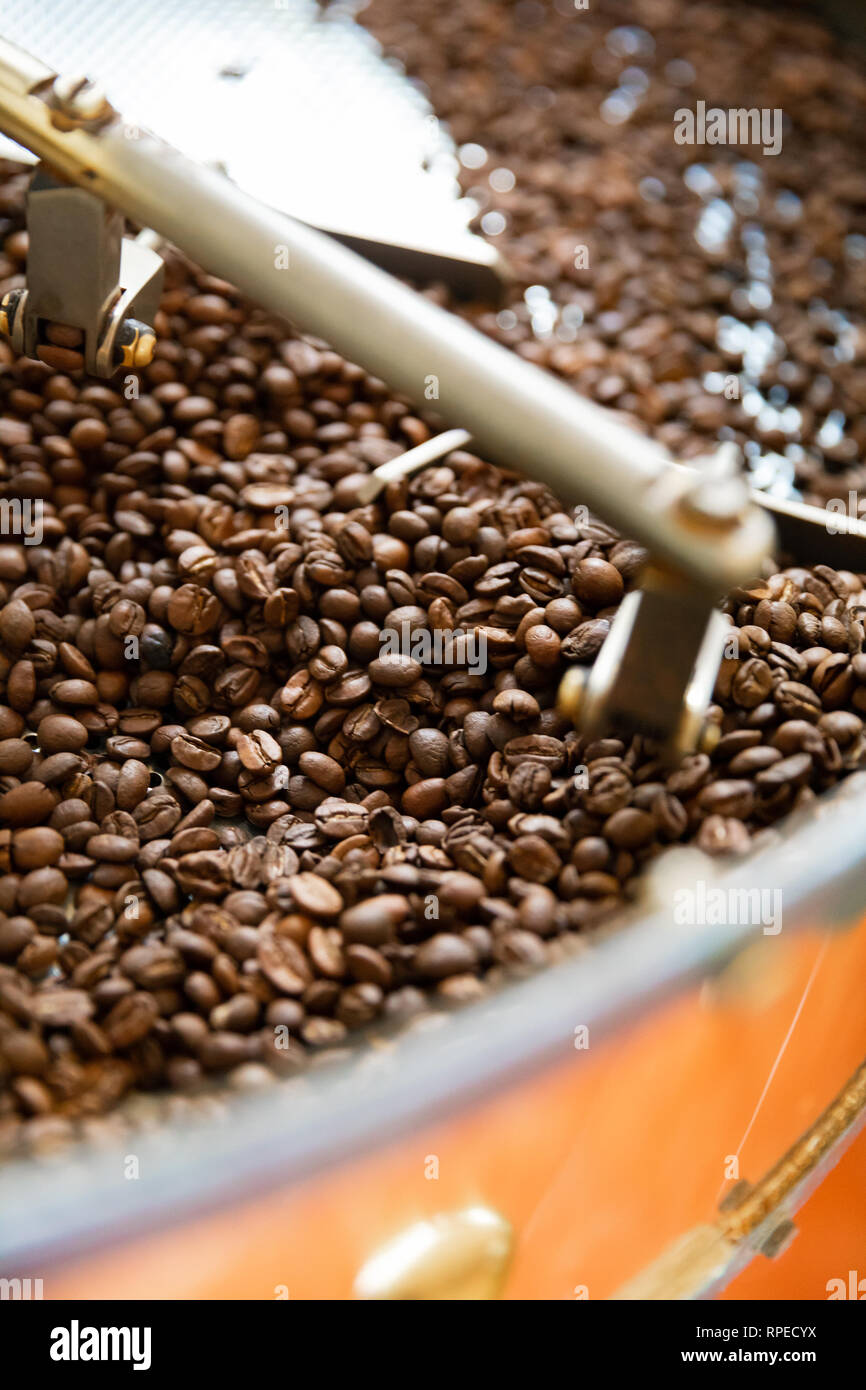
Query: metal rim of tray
(283,1135)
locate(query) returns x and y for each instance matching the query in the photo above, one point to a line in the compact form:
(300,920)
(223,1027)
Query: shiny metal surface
(296,104)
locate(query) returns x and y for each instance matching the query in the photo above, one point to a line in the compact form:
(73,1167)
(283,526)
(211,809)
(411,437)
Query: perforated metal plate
(297,104)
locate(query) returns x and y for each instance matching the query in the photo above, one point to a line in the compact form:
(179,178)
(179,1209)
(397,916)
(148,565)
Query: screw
(720,502)
(719,495)
(134,345)
(10,307)
(75,100)
(778,1240)
(570,695)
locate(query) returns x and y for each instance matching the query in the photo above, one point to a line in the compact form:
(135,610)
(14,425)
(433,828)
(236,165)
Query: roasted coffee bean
(732,798)
(259,751)
(59,733)
(29,803)
(194,753)
(315,896)
(131,1019)
(752,683)
(112,849)
(132,784)
(283,963)
(394,671)
(444,954)
(16,755)
(36,848)
(324,771)
(373,923)
(797,701)
(597,583)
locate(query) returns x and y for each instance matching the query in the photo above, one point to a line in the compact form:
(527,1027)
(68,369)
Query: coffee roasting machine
(705,533)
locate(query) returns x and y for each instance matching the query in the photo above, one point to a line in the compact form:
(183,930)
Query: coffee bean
(729,798)
(192,610)
(283,963)
(597,583)
(429,750)
(194,753)
(797,701)
(534,859)
(132,784)
(373,923)
(259,751)
(61,1008)
(112,849)
(60,733)
(752,683)
(36,848)
(629,828)
(394,671)
(324,771)
(425,798)
(315,895)
(792,771)
(30,803)
(131,1019)
(444,954)
(16,755)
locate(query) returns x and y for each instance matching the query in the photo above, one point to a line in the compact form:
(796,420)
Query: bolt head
(570,695)
(720,502)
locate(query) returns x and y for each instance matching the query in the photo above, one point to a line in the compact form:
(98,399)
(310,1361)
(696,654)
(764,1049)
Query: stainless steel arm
(519,416)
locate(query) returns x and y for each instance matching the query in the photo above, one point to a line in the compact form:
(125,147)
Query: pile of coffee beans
(705,291)
(238,830)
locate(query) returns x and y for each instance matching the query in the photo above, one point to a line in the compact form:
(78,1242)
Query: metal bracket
(656,671)
(83,273)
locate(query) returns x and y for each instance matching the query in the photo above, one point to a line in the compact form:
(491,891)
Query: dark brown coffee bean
(60,733)
(61,1008)
(194,753)
(132,784)
(373,923)
(112,849)
(130,1020)
(283,962)
(324,771)
(425,798)
(259,751)
(791,772)
(752,683)
(534,859)
(315,896)
(16,755)
(734,798)
(597,583)
(192,610)
(629,828)
(444,954)
(779,620)
(797,701)
(394,671)
(75,692)
(723,835)
(36,848)
(30,803)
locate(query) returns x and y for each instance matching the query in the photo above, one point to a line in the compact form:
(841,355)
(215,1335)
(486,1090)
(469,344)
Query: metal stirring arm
(713,537)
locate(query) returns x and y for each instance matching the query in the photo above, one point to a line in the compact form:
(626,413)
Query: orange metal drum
(598,1162)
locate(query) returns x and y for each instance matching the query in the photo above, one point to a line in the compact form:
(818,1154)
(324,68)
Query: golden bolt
(570,695)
